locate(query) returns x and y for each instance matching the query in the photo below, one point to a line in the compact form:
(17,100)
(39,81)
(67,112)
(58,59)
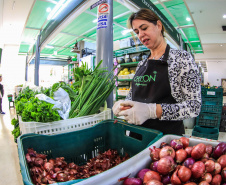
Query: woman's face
(148,33)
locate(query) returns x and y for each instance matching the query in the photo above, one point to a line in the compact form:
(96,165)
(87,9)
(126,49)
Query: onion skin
(198,151)
(198,169)
(209,165)
(166,165)
(141,173)
(154,182)
(176,144)
(222,161)
(180,155)
(217,168)
(185,141)
(219,150)
(184,173)
(189,162)
(216,179)
(151,175)
(154,165)
(154,154)
(188,150)
(132,181)
(167,151)
(207,177)
(175,179)
(209,149)
(190,183)
(223,174)
(166,179)
(203,183)
(163,144)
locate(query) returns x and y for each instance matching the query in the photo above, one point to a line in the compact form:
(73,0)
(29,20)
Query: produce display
(126,71)
(44,171)
(178,163)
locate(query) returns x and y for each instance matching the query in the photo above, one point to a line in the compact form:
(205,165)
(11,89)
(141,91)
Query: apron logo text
(143,80)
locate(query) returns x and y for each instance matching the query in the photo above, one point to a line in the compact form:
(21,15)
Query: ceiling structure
(203,32)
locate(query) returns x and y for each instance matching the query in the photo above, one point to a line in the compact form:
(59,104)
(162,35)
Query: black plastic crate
(208,119)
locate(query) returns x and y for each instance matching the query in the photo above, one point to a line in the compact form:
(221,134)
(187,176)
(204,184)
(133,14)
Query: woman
(166,87)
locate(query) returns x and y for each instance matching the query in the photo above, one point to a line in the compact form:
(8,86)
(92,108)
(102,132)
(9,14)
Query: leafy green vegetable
(16,132)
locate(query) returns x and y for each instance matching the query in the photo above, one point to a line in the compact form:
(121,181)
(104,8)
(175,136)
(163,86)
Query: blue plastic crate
(208,119)
(212,105)
(82,145)
(212,93)
(204,132)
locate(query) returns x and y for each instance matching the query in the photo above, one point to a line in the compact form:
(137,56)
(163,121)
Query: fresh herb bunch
(16,130)
(39,111)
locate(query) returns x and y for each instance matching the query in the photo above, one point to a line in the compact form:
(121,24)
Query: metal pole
(104,42)
(37,62)
(26,68)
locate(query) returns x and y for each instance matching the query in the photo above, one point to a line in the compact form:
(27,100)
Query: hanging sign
(168,26)
(97,3)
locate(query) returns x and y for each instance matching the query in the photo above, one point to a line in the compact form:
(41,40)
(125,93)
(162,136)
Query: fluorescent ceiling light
(48,9)
(53,12)
(50,47)
(95,20)
(124,32)
(224,16)
(60,10)
(188,18)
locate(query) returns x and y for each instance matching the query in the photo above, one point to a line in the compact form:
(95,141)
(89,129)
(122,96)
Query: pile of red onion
(44,171)
(177,163)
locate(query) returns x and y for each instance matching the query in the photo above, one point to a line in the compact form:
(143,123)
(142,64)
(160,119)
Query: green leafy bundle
(94,91)
(16,130)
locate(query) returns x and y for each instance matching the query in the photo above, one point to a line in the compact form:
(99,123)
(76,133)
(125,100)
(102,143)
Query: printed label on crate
(213,93)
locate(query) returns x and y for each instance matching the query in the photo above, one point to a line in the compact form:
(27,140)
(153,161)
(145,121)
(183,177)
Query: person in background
(166,87)
(1,95)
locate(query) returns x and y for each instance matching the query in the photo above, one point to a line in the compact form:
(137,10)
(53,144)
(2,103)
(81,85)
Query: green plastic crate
(80,146)
(212,93)
(204,132)
(208,119)
(212,105)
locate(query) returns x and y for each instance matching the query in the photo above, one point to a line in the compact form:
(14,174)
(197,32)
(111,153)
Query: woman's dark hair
(147,15)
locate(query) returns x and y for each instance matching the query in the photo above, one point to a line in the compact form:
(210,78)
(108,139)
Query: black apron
(151,85)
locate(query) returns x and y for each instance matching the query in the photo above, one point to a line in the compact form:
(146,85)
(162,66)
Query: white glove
(116,107)
(139,112)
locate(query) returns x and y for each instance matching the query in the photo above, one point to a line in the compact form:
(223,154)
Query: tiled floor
(9,162)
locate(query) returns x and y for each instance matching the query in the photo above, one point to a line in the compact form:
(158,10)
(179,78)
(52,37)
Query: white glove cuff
(152,110)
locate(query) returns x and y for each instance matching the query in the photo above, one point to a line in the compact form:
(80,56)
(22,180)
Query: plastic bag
(61,101)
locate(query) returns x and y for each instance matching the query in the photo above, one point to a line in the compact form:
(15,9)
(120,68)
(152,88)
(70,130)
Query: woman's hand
(139,112)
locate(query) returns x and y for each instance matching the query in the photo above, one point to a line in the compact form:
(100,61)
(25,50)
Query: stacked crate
(223,119)
(209,119)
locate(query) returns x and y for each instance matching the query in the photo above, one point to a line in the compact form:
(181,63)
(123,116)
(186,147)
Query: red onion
(189,162)
(141,173)
(175,179)
(167,151)
(48,166)
(151,175)
(163,144)
(180,155)
(53,161)
(217,168)
(222,161)
(209,149)
(154,182)
(185,141)
(209,165)
(205,157)
(190,183)
(154,154)
(188,150)
(219,150)
(28,158)
(223,174)
(207,177)
(39,161)
(132,181)
(216,179)
(154,165)
(184,173)
(166,165)
(198,151)
(31,152)
(176,144)
(198,169)
(203,183)
(166,179)
(61,177)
